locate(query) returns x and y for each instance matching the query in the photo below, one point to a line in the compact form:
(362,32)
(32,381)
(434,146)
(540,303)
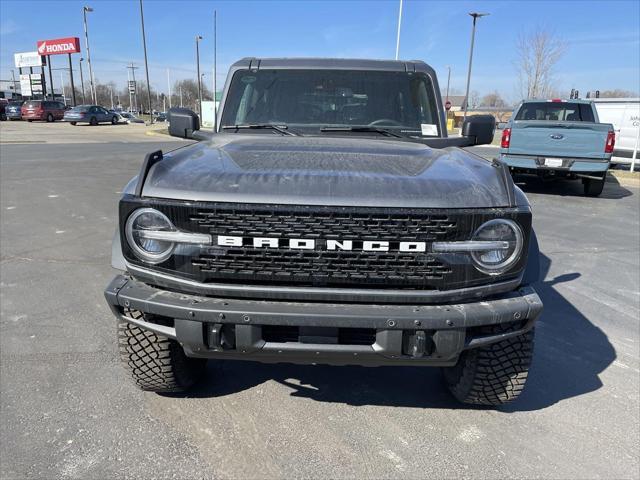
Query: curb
(630,179)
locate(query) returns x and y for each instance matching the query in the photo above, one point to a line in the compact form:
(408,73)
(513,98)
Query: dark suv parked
(329,220)
(13,110)
(43,110)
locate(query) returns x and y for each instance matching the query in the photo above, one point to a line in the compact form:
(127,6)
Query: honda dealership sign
(59,46)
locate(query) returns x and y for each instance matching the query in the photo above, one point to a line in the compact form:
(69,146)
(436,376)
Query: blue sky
(603,37)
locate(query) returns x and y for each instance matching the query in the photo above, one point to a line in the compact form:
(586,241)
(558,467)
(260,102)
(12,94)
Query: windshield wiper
(381,131)
(283,129)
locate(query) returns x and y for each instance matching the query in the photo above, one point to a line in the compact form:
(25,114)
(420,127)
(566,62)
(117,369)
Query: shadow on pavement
(569,188)
(570,353)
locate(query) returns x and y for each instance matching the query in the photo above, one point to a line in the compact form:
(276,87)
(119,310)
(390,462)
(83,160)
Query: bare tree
(493,100)
(618,93)
(538,52)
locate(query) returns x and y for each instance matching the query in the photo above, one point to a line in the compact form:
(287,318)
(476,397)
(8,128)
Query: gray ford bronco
(328,220)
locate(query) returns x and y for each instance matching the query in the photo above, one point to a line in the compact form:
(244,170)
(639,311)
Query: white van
(624,114)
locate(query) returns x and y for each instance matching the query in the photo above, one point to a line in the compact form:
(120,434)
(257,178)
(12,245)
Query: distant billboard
(27,59)
(59,46)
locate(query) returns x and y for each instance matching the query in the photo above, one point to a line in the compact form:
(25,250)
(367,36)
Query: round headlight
(138,230)
(509,235)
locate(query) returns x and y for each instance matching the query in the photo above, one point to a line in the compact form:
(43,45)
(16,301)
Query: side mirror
(480,128)
(182,122)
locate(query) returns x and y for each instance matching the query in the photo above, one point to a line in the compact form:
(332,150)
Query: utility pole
(180,95)
(169,85)
(475,16)
(86,9)
(398,36)
(82,81)
(198,38)
(132,68)
(146,65)
(111,95)
(215,61)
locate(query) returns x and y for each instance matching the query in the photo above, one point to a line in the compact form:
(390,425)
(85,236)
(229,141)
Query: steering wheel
(385,121)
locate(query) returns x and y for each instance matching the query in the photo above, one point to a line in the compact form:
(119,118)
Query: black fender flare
(532,270)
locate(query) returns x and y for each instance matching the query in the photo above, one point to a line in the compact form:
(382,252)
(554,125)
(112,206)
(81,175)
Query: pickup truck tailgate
(559,139)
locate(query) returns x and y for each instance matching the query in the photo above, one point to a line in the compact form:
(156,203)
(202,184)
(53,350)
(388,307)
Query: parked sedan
(91,114)
(13,110)
(42,110)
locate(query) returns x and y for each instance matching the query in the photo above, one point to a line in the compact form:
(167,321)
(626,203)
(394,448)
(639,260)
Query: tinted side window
(586,112)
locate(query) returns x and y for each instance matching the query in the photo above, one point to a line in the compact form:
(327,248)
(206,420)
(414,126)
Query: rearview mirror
(182,122)
(480,129)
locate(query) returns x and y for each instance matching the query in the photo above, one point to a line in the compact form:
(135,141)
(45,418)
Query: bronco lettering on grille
(313,244)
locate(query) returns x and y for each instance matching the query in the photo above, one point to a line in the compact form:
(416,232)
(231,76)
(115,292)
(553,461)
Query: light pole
(475,16)
(146,65)
(215,61)
(82,80)
(198,38)
(398,35)
(86,9)
(446,99)
(169,85)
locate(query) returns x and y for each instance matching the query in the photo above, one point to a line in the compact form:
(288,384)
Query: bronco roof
(333,63)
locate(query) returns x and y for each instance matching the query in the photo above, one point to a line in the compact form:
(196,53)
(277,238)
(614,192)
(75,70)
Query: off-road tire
(492,375)
(593,188)
(156,363)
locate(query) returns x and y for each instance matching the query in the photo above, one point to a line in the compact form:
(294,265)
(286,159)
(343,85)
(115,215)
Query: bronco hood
(363,171)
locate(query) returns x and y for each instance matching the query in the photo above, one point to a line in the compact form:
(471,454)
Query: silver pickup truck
(559,138)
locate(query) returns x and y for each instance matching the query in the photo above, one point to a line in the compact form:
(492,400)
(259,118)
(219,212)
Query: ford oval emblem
(557,136)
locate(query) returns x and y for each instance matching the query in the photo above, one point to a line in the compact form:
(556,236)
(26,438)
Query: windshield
(309,100)
(562,111)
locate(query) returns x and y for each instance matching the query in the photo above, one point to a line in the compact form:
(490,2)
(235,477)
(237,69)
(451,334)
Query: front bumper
(209,327)
(569,165)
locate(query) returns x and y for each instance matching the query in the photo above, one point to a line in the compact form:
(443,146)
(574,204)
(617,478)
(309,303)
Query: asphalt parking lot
(68,409)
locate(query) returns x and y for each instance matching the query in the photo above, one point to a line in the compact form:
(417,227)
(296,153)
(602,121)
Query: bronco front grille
(320,266)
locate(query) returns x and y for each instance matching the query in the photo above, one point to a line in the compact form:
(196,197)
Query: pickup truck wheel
(492,375)
(593,188)
(156,363)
